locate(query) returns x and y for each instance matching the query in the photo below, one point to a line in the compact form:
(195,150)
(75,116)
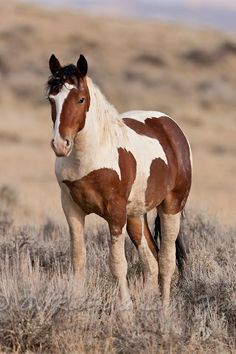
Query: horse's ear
(82,66)
(54,64)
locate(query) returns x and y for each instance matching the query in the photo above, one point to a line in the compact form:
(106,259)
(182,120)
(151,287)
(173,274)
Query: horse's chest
(66,169)
(75,169)
(99,192)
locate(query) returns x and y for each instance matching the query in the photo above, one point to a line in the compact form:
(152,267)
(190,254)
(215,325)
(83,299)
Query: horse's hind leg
(170,224)
(139,233)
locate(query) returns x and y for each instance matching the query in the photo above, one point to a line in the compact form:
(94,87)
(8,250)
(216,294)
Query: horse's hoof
(126,311)
(126,305)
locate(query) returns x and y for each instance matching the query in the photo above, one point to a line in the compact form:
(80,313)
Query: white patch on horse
(104,157)
(142,115)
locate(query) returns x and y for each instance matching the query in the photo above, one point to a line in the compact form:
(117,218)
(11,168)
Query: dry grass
(44,310)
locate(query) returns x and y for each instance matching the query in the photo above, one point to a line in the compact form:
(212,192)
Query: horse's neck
(102,125)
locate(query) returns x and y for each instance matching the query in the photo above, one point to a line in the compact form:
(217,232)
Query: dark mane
(68,73)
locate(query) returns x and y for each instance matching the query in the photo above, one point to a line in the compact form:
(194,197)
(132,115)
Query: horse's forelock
(67,73)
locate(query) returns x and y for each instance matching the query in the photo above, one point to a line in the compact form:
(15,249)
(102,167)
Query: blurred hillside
(190,74)
(218,14)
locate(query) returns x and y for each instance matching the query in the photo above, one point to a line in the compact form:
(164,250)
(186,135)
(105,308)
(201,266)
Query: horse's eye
(49,99)
(81,100)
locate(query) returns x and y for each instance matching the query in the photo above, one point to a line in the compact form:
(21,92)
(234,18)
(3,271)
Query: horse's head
(69,97)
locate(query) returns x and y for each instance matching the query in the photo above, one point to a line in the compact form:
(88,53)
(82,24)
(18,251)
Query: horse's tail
(181,255)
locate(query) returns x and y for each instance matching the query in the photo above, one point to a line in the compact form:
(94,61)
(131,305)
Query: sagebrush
(44,310)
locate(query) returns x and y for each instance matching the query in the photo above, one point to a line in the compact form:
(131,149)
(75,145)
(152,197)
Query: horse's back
(140,115)
(160,126)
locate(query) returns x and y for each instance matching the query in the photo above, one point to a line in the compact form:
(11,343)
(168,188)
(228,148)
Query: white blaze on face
(59,100)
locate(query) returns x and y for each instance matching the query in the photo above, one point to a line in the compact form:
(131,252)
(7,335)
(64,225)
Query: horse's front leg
(75,218)
(118,262)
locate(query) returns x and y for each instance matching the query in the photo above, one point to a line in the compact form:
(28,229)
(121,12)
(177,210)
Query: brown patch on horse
(134,229)
(93,191)
(99,192)
(127,164)
(157,184)
(73,112)
(176,148)
(53,111)
(104,193)
(150,241)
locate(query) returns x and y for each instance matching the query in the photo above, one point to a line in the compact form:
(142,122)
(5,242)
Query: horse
(120,167)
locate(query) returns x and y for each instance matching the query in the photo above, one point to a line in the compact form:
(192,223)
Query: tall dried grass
(44,310)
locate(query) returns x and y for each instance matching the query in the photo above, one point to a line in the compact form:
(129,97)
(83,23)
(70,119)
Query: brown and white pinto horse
(119,167)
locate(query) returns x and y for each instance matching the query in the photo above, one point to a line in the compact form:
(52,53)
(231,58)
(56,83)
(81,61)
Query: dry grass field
(186,72)
(43,310)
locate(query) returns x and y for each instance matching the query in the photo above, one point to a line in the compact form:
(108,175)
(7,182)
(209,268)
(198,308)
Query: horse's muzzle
(61,147)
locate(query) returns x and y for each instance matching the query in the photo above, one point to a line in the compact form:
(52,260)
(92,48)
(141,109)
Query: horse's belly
(138,203)
(136,207)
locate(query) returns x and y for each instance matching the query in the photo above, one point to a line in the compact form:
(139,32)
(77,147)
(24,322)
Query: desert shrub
(227,47)
(201,56)
(151,59)
(44,309)
(6,221)
(8,196)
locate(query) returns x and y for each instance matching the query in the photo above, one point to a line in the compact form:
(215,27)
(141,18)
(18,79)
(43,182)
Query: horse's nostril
(67,142)
(52,142)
